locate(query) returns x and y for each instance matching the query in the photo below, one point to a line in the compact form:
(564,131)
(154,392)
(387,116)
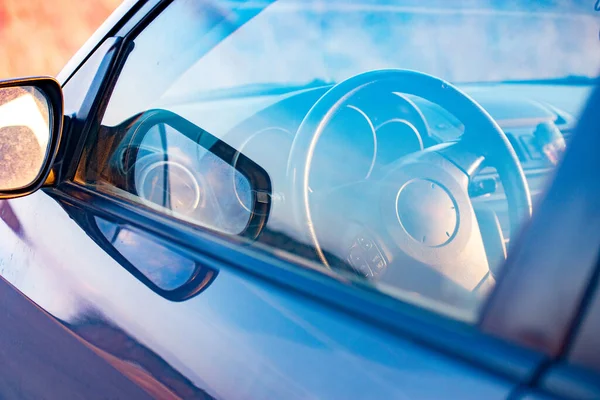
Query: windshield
(459,41)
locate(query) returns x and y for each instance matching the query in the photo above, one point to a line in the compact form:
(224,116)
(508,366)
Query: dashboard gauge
(397,138)
(346,150)
(170,185)
(269,147)
(373,136)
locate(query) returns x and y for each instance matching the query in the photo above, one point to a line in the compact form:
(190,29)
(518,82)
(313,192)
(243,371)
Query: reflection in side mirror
(21,156)
(30,123)
(179,169)
(166,270)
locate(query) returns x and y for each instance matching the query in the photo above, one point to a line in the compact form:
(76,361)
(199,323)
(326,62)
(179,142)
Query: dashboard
(376,128)
(198,161)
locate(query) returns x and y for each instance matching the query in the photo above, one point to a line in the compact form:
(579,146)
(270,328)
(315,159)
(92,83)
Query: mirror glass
(173,171)
(24,135)
(164,267)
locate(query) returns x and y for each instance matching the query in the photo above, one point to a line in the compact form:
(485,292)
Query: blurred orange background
(38,37)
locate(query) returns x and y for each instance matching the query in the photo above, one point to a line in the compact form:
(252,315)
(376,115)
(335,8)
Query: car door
(225,320)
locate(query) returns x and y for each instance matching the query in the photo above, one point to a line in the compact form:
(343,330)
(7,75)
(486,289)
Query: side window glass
(172,166)
(323,130)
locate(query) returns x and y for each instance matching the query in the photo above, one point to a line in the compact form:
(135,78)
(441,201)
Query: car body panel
(240,336)
(42,359)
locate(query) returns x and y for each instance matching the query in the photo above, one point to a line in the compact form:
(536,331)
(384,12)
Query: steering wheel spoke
(463,155)
(353,201)
(347,218)
(343,213)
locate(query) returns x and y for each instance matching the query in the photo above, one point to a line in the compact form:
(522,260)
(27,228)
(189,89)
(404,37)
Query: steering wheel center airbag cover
(427,212)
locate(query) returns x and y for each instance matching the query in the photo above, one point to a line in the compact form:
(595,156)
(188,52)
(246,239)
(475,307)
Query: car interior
(391,174)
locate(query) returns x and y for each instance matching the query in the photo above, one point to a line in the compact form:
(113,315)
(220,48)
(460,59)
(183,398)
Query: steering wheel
(417,210)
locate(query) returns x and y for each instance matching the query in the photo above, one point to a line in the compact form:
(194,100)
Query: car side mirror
(31,115)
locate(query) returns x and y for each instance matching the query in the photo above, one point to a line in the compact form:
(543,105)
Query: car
(372,199)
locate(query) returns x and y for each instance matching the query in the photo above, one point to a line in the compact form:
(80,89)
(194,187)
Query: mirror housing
(20,122)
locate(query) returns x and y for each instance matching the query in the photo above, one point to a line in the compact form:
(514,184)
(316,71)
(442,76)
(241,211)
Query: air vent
(517,146)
